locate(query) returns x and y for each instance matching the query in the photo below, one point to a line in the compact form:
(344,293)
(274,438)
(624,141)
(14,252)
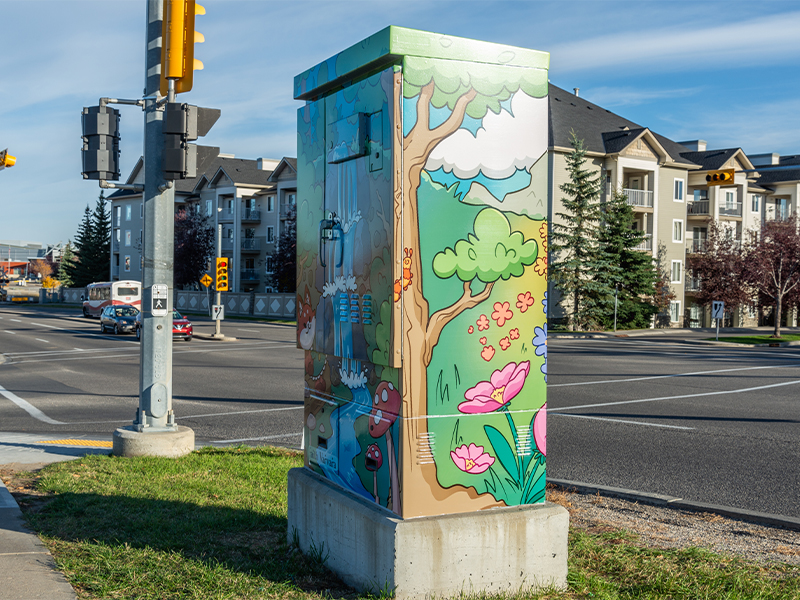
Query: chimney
(696,145)
(577,90)
(764,160)
(266,164)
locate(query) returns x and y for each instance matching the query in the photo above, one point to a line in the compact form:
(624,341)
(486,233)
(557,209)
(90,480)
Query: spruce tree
(101,240)
(634,273)
(577,255)
(67,260)
(78,271)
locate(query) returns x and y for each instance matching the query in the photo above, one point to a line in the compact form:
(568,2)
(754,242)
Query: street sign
(218,312)
(717,309)
(160,298)
(206,280)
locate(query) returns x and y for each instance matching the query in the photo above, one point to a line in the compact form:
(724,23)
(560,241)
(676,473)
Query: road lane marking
(258,439)
(550,413)
(28,407)
(240,412)
(650,377)
(250,330)
(41,340)
(681,397)
(15,320)
(11,332)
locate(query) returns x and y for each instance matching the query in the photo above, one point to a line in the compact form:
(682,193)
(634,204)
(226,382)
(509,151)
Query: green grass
(212,525)
(758,339)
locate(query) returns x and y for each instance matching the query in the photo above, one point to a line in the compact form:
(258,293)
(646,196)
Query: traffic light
(100,152)
(178,38)
(723,177)
(222,275)
(182,124)
(6,160)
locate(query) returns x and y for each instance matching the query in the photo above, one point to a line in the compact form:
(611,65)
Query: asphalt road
(656,414)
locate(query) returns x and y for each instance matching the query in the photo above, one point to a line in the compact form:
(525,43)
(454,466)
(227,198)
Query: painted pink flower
(482,323)
(502,313)
(524,301)
(472,459)
(504,384)
(540,430)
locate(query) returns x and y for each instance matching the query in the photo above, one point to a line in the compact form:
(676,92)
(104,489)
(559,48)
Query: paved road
(654,413)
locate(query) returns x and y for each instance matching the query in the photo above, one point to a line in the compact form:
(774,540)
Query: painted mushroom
(385,410)
(373,462)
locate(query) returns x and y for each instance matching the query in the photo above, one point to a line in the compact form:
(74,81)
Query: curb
(740,514)
(6,499)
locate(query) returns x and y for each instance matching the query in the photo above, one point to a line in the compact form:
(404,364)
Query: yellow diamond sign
(206,280)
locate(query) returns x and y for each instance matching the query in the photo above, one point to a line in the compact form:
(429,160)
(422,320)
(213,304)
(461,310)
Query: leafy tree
(720,268)
(67,261)
(577,255)
(50,283)
(771,264)
(662,292)
(42,268)
(194,244)
(284,269)
(632,271)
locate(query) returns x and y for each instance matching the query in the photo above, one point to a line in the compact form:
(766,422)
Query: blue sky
(726,72)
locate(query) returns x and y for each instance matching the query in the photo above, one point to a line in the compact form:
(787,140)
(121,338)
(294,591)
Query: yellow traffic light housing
(222,274)
(6,160)
(178,38)
(723,177)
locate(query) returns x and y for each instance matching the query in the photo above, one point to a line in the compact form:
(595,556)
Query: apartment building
(242,202)
(647,167)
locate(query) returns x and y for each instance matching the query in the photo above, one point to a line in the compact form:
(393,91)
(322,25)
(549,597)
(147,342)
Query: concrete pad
(171,444)
(503,550)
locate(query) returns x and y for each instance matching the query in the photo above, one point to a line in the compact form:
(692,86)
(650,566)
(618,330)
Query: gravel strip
(671,528)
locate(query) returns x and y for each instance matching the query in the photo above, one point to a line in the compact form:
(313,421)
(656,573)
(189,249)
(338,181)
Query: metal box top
(389,45)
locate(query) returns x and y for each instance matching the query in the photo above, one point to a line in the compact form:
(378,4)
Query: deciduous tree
(284,260)
(194,244)
(719,265)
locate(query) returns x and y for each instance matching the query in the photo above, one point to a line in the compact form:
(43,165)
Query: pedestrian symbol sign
(159,298)
(206,280)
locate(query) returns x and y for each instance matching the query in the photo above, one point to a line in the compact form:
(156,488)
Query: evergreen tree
(577,256)
(634,274)
(284,270)
(67,261)
(77,270)
(194,244)
(101,240)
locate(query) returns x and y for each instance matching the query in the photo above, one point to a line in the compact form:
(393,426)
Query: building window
(675,272)
(141,210)
(678,190)
(127,264)
(118,214)
(677,230)
(292,199)
(755,203)
(128,212)
(229,233)
(270,234)
(730,200)
(208,208)
(270,203)
(127,237)
(116,235)
(674,310)
(270,265)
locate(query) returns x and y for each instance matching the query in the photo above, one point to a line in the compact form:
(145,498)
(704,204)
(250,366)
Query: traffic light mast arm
(104,184)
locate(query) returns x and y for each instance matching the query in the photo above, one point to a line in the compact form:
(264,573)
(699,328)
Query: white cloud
(504,144)
(611,97)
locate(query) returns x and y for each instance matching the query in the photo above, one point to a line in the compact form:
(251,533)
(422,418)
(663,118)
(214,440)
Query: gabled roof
(286,163)
(773,176)
(712,160)
(601,130)
(240,171)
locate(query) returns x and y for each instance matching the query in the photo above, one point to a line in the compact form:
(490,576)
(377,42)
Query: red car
(181,327)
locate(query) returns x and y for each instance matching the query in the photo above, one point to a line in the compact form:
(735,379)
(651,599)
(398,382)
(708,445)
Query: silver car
(119,318)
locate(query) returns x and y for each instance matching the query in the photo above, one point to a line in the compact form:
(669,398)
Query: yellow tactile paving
(97,443)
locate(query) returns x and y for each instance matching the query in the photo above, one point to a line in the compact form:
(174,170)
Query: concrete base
(170,444)
(498,550)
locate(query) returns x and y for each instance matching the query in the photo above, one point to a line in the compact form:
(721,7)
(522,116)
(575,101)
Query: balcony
(249,275)
(639,198)
(286,210)
(696,246)
(647,243)
(115,271)
(251,245)
(698,207)
(225,216)
(227,244)
(251,215)
(115,245)
(730,209)
(692,284)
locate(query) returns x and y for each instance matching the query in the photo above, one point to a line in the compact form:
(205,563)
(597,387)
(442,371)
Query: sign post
(717,312)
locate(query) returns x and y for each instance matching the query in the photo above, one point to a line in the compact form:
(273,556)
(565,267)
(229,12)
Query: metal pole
(717,328)
(615,309)
(218,297)
(155,371)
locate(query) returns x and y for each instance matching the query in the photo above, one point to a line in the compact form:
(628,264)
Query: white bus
(100,295)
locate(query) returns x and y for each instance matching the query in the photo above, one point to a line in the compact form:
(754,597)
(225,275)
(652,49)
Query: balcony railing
(251,244)
(696,246)
(647,243)
(251,214)
(286,210)
(249,275)
(698,207)
(225,215)
(643,198)
(730,209)
(692,284)
(227,244)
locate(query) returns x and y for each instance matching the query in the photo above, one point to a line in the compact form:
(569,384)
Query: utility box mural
(422,266)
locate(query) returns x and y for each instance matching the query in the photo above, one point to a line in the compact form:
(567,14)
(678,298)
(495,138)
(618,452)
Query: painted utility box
(422,267)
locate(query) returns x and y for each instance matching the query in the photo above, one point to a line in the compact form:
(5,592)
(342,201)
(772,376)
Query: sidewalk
(27,569)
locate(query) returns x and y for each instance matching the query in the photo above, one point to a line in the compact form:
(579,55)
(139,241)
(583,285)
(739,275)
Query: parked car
(120,318)
(181,327)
